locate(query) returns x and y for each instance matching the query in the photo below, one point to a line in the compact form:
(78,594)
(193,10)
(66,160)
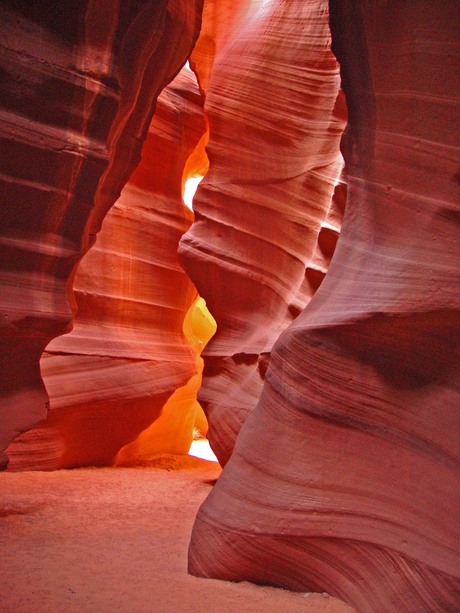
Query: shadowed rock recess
(324,242)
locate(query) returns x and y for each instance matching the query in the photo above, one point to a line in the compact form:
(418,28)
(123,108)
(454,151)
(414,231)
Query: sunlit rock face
(79,84)
(275,115)
(345,477)
(182,417)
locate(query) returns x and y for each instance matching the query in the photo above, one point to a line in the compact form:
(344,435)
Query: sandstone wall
(79,84)
(275,116)
(109,378)
(345,476)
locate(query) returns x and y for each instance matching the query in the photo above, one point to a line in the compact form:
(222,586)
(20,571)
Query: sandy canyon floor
(115,539)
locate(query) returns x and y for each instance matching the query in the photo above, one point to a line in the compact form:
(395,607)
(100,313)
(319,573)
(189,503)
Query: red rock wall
(275,118)
(79,84)
(221,22)
(345,477)
(109,378)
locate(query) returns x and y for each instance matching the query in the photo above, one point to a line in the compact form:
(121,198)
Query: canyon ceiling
(324,241)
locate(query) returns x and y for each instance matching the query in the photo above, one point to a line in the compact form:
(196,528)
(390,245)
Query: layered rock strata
(275,116)
(79,84)
(345,477)
(109,378)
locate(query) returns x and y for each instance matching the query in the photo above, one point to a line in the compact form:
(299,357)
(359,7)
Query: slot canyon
(303,314)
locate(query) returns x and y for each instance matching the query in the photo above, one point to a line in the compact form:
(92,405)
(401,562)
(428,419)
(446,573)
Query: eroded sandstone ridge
(109,378)
(345,476)
(79,84)
(275,115)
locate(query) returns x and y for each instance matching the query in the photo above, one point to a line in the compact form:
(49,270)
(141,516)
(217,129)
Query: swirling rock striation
(275,117)
(79,84)
(109,378)
(345,477)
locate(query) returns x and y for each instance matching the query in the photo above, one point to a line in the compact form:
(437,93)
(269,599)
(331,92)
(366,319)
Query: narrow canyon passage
(302,312)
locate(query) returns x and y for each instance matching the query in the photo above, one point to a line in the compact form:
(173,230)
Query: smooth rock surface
(275,116)
(110,377)
(79,86)
(346,475)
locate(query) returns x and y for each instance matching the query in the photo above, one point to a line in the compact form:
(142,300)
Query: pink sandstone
(275,124)
(345,476)
(337,359)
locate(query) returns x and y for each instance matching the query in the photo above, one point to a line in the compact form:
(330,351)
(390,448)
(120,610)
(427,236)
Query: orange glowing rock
(109,378)
(173,431)
(79,86)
